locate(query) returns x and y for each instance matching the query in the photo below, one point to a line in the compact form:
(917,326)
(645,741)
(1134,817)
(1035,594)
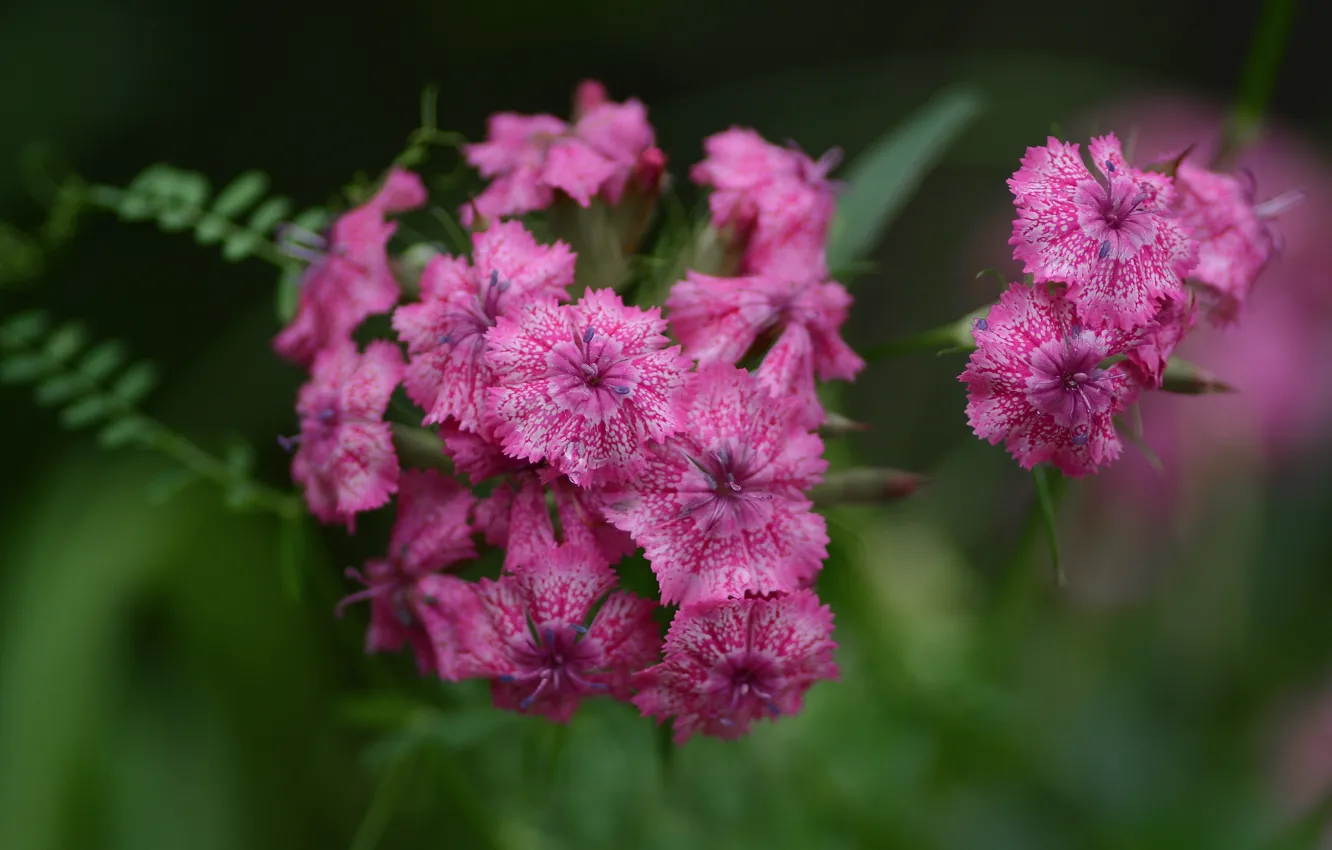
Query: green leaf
(68,340)
(85,412)
(288,292)
(291,556)
(102,360)
(883,178)
(24,368)
(136,383)
(240,459)
(121,432)
(24,328)
(168,484)
(312,219)
(269,213)
(1049,486)
(240,194)
(59,389)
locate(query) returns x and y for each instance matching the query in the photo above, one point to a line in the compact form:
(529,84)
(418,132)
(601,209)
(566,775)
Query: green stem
(1259,77)
(185,452)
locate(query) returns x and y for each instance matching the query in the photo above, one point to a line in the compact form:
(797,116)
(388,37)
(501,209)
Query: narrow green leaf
(883,178)
(291,556)
(168,484)
(1049,486)
(85,412)
(121,432)
(24,368)
(181,199)
(240,245)
(240,459)
(24,328)
(312,219)
(240,194)
(59,389)
(269,213)
(137,381)
(68,340)
(102,360)
(288,292)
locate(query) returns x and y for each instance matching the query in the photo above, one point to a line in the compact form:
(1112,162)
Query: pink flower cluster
(590,432)
(1121,261)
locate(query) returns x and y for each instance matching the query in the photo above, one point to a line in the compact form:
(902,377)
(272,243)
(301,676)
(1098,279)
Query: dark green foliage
(94,386)
(241,217)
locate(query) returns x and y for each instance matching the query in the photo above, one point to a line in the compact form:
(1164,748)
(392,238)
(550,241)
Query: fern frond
(92,385)
(242,217)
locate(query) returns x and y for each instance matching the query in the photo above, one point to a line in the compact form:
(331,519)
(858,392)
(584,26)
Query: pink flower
(1036,382)
(479,456)
(529,157)
(352,279)
(1168,329)
(582,386)
(720,509)
(1235,243)
(431,533)
(721,319)
(515,517)
(775,201)
(730,663)
(446,331)
(541,643)
(346,461)
(1112,242)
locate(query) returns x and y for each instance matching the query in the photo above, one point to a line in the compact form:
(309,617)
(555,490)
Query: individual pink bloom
(478,455)
(1111,241)
(445,331)
(776,201)
(346,461)
(1168,329)
(1234,236)
(352,278)
(1036,383)
(582,386)
(720,510)
(529,158)
(730,663)
(516,517)
(540,641)
(721,319)
(431,532)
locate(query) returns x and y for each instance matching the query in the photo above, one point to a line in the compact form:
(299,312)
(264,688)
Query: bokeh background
(161,688)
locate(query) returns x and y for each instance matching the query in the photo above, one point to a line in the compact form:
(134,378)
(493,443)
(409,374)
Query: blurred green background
(160,689)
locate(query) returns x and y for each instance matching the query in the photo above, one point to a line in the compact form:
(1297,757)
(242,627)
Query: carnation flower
(720,509)
(583,386)
(776,201)
(1235,241)
(539,639)
(346,461)
(1159,340)
(430,533)
(1036,381)
(352,279)
(1111,240)
(721,319)
(730,663)
(446,331)
(516,517)
(529,157)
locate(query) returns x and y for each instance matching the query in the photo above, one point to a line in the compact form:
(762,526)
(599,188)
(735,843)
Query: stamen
(982,325)
(582,630)
(623,390)
(588,334)
(506,679)
(1080,439)
(1280,204)
(1105,250)
(289,444)
(443,339)
(588,369)
(1109,166)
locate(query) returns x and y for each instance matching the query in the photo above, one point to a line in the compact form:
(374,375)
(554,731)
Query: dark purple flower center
(391,582)
(745,683)
(1120,214)
(730,491)
(557,660)
(590,374)
(471,321)
(1067,381)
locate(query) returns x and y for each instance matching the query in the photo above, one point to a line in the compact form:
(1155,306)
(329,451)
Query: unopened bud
(867,485)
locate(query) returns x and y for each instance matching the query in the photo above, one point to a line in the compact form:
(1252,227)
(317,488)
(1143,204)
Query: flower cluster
(1121,261)
(591,428)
